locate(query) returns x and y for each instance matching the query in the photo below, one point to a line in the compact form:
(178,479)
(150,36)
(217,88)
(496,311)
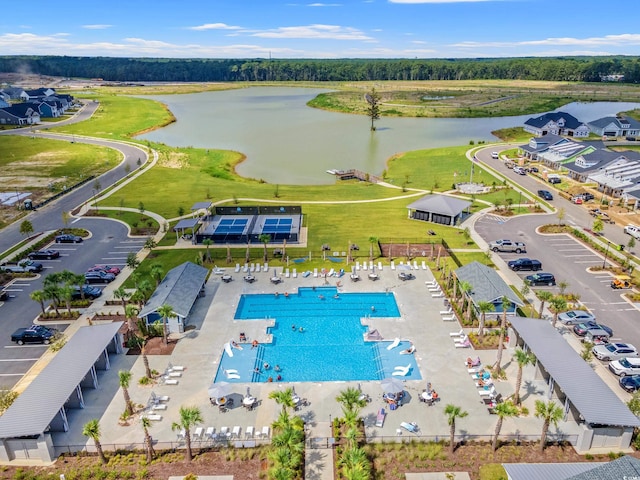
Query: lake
(286,142)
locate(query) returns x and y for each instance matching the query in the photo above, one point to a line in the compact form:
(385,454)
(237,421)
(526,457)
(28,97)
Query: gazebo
(440,209)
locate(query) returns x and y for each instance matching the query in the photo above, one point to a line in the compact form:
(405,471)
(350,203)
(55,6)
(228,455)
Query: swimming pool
(317,336)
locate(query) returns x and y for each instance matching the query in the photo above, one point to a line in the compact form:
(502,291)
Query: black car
(68,238)
(525,264)
(89,292)
(44,254)
(554,180)
(99,277)
(33,334)
(630,383)
(582,328)
(545,194)
(541,279)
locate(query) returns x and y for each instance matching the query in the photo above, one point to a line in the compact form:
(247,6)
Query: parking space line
(19,360)
(114,258)
(26,346)
(13,374)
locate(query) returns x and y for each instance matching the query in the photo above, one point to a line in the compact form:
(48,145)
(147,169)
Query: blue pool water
(330,346)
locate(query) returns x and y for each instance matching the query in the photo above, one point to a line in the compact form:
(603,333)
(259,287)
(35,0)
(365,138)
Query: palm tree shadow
(531,389)
(314,460)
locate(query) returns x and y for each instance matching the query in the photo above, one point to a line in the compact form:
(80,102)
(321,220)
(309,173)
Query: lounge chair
(450,318)
(265,432)
(257,268)
(435,288)
(217,270)
(438,295)
(458,334)
(175,368)
(224,432)
(197,434)
(287,274)
(210,433)
(357,265)
(245,269)
(446,312)
(315,273)
(253,268)
(394,344)
(159,406)
(411,427)
(393,265)
(424,265)
(431,283)
(248,433)
(364,266)
(170,381)
(466,344)
(331,273)
(401,371)
(379,265)
(415,265)
(295,273)
(370,265)
(461,339)
(306,273)
(265,267)
(490,392)
(159,398)
(174,374)
(474,362)
(153,417)
(182,434)
(237,267)
(233,376)
(236,431)
(475,370)
(380,418)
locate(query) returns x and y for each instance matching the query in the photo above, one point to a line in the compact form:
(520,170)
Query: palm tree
(166,312)
(66,294)
(559,304)
(125,379)
(156,273)
(265,239)
(351,400)
(121,294)
(550,412)
(523,358)
(130,311)
(372,241)
(452,412)
(247,255)
(544,296)
(464,287)
(189,418)
(283,397)
(484,308)
(148,441)
(39,296)
(354,464)
(91,429)
(207,242)
(52,292)
(506,303)
(503,410)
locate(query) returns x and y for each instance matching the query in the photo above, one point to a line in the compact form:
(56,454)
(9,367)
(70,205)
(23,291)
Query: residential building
(619,126)
(557,123)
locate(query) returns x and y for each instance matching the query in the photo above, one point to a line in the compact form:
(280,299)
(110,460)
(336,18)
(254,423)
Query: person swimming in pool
(301,329)
(293,327)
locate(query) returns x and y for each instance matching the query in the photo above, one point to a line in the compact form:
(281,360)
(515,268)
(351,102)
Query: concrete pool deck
(200,351)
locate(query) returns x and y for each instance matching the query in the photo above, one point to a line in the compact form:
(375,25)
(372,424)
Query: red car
(105,268)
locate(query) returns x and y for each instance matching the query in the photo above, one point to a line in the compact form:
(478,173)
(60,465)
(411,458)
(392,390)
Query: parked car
(587,196)
(99,277)
(621,282)
(519,170)
(508,246)
(614,351)
(596,336)
(23,266)
(573,317)
(533,169)
(525,264)
(554,180)
(632,230)
(540,279)
(625,366)
(43,254)
(89,292)
(631,383)
(495,155)
(33,334)
(105,268)
(577,200)
(582,328)
(545,194)
(68,238)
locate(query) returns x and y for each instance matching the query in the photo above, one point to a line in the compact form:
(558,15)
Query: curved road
(49,217)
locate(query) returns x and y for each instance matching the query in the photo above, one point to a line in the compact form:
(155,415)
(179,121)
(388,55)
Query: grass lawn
(133,219)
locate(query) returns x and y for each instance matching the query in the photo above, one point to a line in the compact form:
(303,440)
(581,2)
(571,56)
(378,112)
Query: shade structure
(392,385)
(219,390)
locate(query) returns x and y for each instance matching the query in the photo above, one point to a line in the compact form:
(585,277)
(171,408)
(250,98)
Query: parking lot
(108,244)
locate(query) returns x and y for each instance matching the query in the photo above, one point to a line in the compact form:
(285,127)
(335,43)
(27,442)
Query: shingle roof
(35,408)
(605,121)
(570,121)
(441,204)
(624,467)
(573,375)
(600,158)
(487,284)
(548,471)
(179,288)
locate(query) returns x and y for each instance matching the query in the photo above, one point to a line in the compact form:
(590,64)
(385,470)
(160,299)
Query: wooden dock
(353,173)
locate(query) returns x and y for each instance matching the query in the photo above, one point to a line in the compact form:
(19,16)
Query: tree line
(579,69)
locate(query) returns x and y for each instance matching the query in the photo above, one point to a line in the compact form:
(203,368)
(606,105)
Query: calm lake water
(287,142)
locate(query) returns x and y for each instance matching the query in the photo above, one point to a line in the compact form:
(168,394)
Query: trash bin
(28,205)
(621,247)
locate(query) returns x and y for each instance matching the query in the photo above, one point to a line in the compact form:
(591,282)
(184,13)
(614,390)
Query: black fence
(63,192)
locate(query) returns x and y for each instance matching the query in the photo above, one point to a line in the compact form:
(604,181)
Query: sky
(323,29)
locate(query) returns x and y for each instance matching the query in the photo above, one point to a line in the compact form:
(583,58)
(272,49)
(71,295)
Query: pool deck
(200,350)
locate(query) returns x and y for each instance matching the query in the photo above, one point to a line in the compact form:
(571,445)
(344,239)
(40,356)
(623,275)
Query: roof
(199,205)
(617,121)
(185,223)
(441,204)
(594,160)
(623,467)
(29,414)
(570,121)
(548,471)
(573,375)
(179,288)
(537,144)
(487,285)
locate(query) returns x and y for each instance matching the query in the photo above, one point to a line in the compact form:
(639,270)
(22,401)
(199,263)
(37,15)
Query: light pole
(604,263)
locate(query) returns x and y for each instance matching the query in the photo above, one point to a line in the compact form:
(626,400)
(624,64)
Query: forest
(574,69)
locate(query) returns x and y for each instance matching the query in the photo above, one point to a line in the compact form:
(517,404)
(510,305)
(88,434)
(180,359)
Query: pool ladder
(378,360)
(259,361)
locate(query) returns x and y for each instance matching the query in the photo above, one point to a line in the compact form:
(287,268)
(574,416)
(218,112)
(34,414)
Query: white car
(519,170)
(625,366)
(574,317)
(495,155)
(614,351)
(632,230)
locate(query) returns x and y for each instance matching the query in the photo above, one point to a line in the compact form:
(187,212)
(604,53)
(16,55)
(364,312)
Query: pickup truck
(23,266)
(508,246)
(525,264)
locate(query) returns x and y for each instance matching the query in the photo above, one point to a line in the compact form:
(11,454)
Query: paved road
(109,244)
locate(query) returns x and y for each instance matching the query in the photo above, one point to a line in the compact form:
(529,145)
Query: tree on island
(373,109)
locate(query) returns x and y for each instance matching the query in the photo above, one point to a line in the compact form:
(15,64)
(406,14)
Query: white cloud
(608,40)
(213,26)
(437,1)
(96,27)
(326,32)
(324,5)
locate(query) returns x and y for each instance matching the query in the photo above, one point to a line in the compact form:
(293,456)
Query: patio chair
(153,416)
(265,267)
(458,334)
(401,371)
(265,432)
(393,265)
(237,267)
(431,283)
(465,344)
(236,431)
(224,432)
(380,418)
(257,268)
(159,406)
(249,432)
(253,268)
(437,295)
(210,433)
(245,269)
(379,265)
(410,427)
(197,434)
(415,265)
(295,273)
(451,318)
(394,344)
(315,273)
(364,266)
(175,368)
(446,312)
(182,434)
(286,273)
(424,265)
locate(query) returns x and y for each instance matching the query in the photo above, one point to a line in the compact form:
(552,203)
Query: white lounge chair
(450,318)
(358,265)
(265,267)
(245,269)
(415,265)
(170,381)
(461,339)
(315,273)
(159,398)
(153,417)
(294,274)
(236,431)
(174,374)
(446,312)
(491,392)
(253,268)
(230,370)
(233,376)
(286,273)
(379,265)
(249,432)
(265,432)
(401,371)
(182,434)
(458,334)
(224,432)
(438,295)
(435,288)
(431,283)
(424,265)
(364,266)
(393,265)
(217,270)
(237,267)
(257,268)
(210,433)
(465,344)
(331,273)
(394,344)
(370,265)
(475,370)
(175,368)
(197,434)
(158,406)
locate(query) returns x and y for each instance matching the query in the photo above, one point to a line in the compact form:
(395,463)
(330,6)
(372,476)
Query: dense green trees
(581,69)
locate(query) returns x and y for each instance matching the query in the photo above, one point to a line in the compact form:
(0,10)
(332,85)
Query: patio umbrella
(219,390)
(392,385)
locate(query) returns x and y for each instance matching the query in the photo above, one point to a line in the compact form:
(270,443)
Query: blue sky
(326,29)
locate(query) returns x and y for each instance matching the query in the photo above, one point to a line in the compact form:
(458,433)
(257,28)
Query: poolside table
(248,402)
(275,280)
(226,278)
(249,278)
(373,276)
